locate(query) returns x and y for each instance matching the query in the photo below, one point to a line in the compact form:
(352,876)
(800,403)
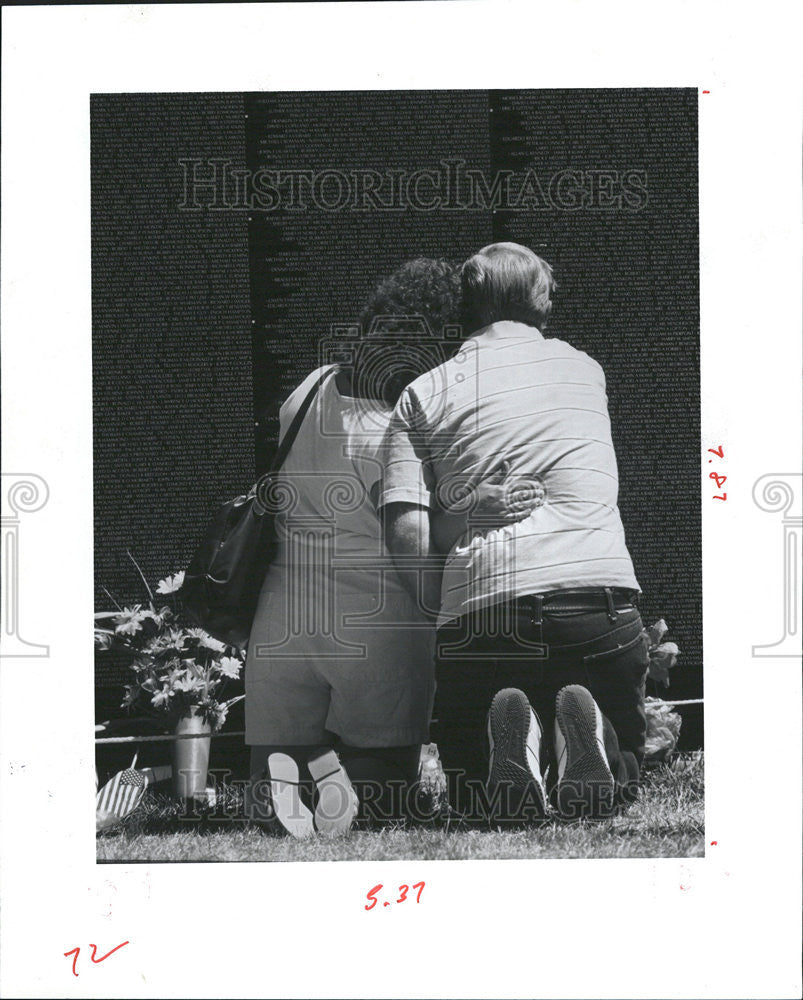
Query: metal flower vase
(191,756)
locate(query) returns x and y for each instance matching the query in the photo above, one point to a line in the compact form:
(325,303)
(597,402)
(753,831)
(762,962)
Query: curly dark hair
(402,327)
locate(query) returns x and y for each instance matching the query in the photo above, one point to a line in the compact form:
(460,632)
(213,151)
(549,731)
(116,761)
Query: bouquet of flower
(663,655)
(179,670)
(663,730)
(663,725)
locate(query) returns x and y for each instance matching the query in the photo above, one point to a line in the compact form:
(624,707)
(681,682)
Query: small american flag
(121,795)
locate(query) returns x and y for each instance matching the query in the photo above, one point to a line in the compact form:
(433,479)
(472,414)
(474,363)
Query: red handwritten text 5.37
(403,890)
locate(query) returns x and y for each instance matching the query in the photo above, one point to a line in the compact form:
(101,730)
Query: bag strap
(291,433)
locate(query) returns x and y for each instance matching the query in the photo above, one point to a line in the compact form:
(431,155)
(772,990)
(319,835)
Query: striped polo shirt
(511,395)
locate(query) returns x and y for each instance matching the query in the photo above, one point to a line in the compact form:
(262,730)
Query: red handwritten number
(93,957)
(103,958)
(75,951)
(370,895)
(719,451)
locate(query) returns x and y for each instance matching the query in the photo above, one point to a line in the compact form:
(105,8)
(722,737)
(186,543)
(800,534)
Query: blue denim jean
(523,644)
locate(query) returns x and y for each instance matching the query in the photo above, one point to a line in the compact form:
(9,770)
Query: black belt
(592,599)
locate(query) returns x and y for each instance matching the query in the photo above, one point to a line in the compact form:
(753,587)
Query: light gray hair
(506,281)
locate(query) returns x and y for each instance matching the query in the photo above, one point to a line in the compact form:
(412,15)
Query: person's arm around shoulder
(404,502)
(408,538)
(492,503)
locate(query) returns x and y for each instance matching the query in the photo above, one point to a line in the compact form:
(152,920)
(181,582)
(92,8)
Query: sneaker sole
(586,790)
(337,800)
(290,811)
(508,728)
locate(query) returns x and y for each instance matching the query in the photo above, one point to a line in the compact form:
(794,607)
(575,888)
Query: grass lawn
(666,822)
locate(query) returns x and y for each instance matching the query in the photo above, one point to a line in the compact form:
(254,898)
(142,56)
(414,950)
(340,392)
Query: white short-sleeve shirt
(511,395)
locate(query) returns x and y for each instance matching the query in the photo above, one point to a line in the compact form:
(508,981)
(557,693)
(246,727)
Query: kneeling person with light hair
(539,637)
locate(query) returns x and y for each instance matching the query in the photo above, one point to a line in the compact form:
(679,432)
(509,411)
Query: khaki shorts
(299,702)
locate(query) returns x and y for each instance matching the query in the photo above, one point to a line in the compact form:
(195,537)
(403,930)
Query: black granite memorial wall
(214,285)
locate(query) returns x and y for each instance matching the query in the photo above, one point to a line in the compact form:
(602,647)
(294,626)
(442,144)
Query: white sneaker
(585,788)
(514,771)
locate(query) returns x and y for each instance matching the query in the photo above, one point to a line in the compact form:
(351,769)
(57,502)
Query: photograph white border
(725,925)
